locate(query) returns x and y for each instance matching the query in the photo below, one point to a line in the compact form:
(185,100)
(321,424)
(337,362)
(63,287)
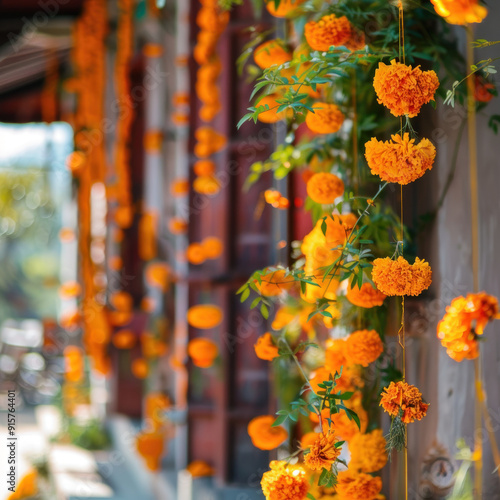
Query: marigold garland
(403,89)
(403,400)
(325,188)
(400,160)
(328,31)
(284,482)
(263,435)
(398,277)
(325,118)
(463,322)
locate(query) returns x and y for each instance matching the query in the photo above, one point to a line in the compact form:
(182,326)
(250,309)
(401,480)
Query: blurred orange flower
(368,451)
(150,445)
(204,316)
(263,435)
(204,168)
(325,118)
(460,11)
(363,347)
(199,468)
(325,188)
(179,187)
(195,254)
(212,247)
(329,30)
(203,352)
(265,348)
(367,296)
(284,8)
(124,339)
(284,481)
(357,486)
(140,368)
(206,184)
(271,53)
(274,283)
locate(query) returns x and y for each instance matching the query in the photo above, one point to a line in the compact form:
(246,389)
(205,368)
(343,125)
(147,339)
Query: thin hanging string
(474,207)
(402,339)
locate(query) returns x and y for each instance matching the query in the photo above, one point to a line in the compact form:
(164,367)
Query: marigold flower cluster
(403,89)
(399,160)
(323,453)
(285,7)
(275,199)
(363,347)
(460,11)
(270,53)
(209,142)
(265,348)
(405,400)
(325,188)
(284,482)
(325,118)
(212,21)
(367,296)
(398,277)
(202,352)
(463,322)
(328,31)
(357,486)
(368,451)
(263,435)
(207,89)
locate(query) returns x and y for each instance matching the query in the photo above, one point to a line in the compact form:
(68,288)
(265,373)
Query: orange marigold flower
(195,254)
(70,289)
(403,89)
(271,115)
(76,161)
(350,379)
(400,160)
(27,486)
(274,283)
(158,275)
(199,468)
(357,41)
(270,53)
(398,277)
(323,452)
(329,30)
(155,404)
(203,352)
(368,452)
(204,167)
(284,316)
(326,118)
(204,316)
(460,11)
(404,398)
(263,435)
(357,486)
(206,184)
(213,247)
(153,141)
(363,347)
(464,320)
(212,19)
(121,301)
(325,188)
(367,296)
(334,355)
(284,8)
(265,348)
(284,482)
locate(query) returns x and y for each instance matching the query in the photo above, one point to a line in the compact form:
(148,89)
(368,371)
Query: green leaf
(245,295)
(343,396)
(264,311)
(255,302)
(310,497)
(279,420)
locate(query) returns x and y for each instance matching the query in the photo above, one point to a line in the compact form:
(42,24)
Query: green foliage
(396,439)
